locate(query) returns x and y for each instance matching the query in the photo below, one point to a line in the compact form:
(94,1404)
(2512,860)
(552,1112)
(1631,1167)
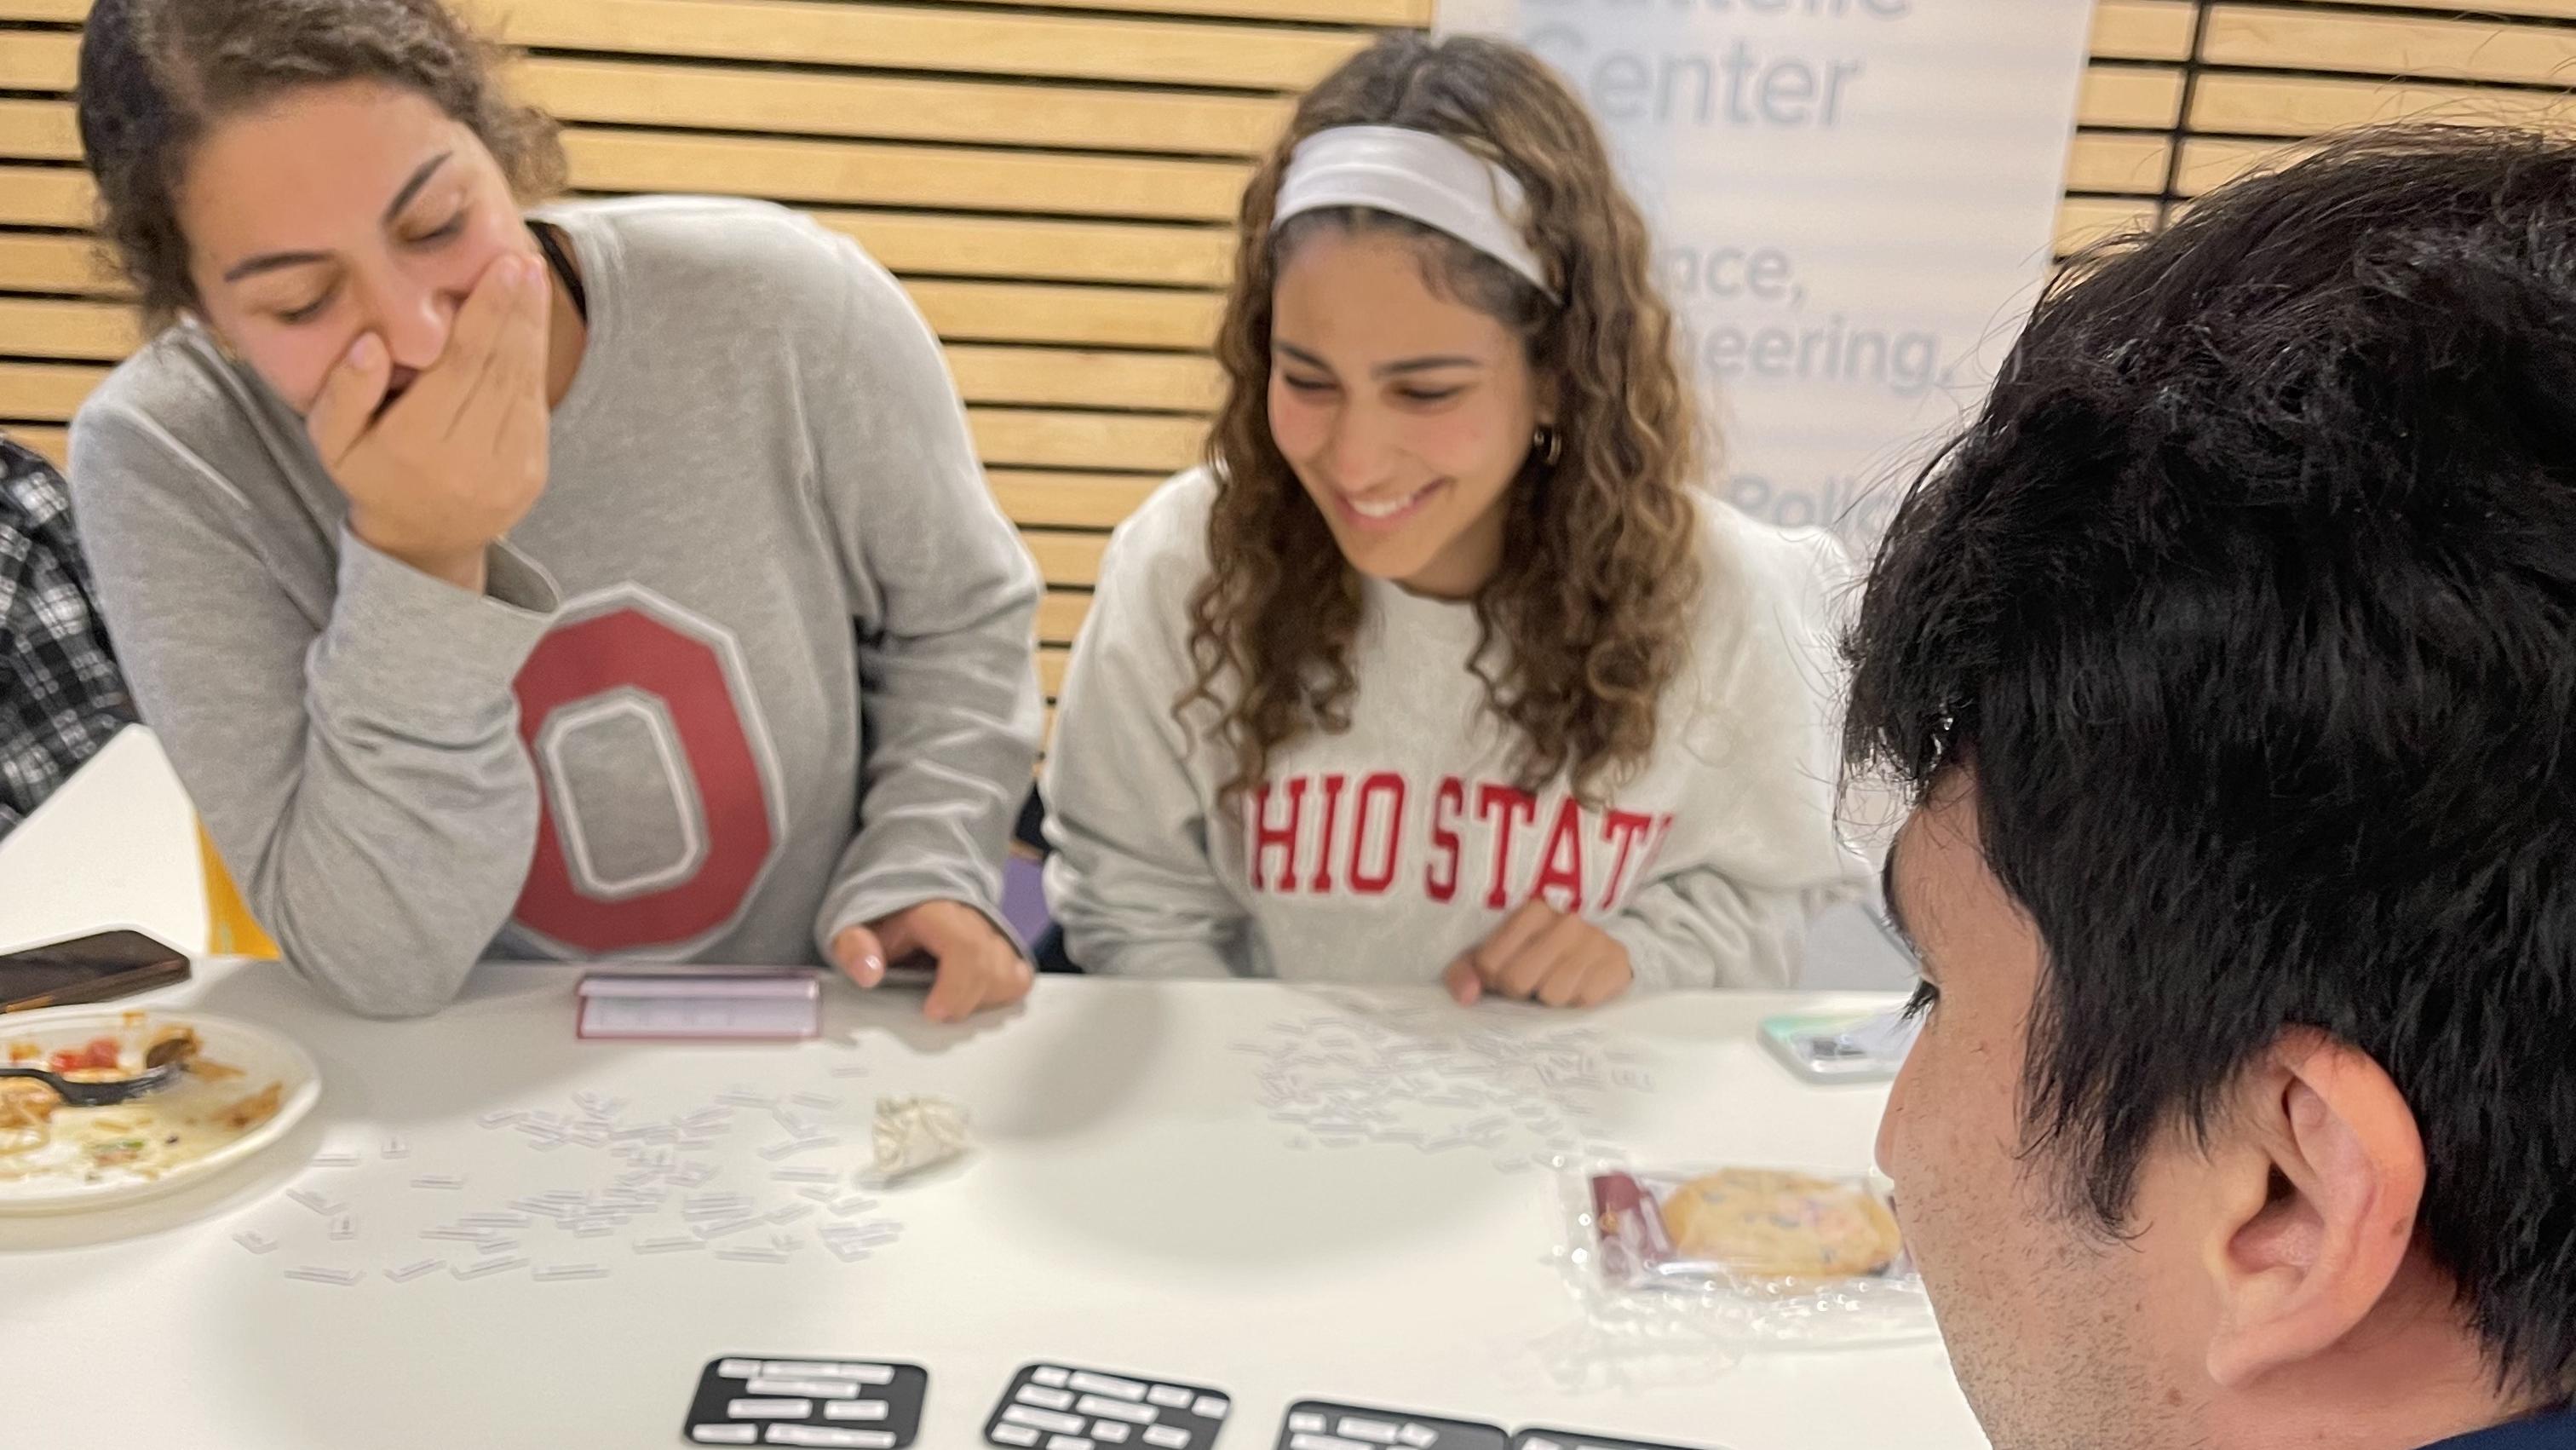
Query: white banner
(1852,203)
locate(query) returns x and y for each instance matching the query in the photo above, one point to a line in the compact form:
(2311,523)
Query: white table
(1131,1206)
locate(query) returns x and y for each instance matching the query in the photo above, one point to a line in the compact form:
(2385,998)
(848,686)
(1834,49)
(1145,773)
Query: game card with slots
(1059,1407)
(1326,1425)
(850,1404)
(1539,1439)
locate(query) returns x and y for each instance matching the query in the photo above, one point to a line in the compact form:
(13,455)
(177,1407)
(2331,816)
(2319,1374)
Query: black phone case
(156,964)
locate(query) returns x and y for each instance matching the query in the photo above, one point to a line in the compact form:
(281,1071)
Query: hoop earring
(1548,444)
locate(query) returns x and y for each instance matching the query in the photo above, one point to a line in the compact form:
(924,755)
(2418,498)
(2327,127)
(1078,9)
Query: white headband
(1417,175)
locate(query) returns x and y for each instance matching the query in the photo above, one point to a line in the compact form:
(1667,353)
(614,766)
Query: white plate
(56,1178)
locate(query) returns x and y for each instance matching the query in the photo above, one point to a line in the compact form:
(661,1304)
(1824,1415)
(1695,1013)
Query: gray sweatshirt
(757,667)
(1382,853)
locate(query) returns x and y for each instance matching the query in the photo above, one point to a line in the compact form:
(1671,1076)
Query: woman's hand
(434,477)
(978,967)
(1540,954)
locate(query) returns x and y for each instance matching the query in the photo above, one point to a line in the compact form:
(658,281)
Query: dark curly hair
(154,74)
(1600,560)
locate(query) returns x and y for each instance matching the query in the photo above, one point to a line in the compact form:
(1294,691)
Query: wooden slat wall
(2183,95)
(1054,182)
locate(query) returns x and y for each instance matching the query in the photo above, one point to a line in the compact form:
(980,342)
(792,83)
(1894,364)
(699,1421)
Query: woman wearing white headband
(1440,670)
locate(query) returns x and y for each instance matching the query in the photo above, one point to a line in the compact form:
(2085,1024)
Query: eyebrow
(1386,370)
(274,261)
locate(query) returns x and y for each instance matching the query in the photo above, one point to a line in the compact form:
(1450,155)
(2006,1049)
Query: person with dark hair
(61,696)
(1445,668)
(613,579)
(2230,656)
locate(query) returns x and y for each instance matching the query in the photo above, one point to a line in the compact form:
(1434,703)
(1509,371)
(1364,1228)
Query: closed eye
(1926,997)
(446,231)
(308,311)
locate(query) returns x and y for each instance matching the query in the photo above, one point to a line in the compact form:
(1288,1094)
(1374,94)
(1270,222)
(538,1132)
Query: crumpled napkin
(917,1132)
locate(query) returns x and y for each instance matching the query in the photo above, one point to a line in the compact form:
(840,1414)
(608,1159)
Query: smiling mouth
(1380,513)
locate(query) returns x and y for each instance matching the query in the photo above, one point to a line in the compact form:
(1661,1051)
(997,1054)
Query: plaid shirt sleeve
(61,697)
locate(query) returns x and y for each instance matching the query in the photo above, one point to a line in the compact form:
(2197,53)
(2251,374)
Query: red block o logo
(649,651)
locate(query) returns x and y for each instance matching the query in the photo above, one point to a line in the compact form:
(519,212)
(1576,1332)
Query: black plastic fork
(102,1094)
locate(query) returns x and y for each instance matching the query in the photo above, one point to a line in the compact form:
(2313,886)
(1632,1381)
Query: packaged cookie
(1763,1224)
(1739,1251)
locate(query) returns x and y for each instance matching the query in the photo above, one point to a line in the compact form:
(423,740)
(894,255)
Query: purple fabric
(1024,898)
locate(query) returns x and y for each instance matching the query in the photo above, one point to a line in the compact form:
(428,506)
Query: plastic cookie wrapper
(1741,1256)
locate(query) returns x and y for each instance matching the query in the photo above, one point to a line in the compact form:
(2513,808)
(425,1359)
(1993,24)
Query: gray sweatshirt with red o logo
(757,667)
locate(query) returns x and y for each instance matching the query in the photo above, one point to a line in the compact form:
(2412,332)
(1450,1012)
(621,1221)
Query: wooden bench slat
(2139,97)
(2550,9)
(50,391)
(1037,438)
(1072,316)
(900,107)
(1060,615)
(2389,45)
(917,37)
(1054,377)
(1066,558)
(1039,248)
(2211,162)
(2115,162)
(2142,30)
(39,130)
(48,262)
(46,196)
(44,328)
(1391,13)
(885,174)
(39,60)
(1070,500)
(2082,221)
(2299,106)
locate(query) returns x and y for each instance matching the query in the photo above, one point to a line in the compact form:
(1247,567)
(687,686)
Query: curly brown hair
(1600,570)
(155,74)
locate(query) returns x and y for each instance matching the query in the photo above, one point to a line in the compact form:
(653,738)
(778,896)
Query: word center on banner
(1852,204)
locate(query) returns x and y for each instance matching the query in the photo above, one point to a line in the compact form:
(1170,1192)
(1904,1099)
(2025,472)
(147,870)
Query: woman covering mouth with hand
(606,579)
(1443,669)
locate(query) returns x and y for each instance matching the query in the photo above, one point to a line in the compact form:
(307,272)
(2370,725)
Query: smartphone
(95,968)
(1847,1047)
